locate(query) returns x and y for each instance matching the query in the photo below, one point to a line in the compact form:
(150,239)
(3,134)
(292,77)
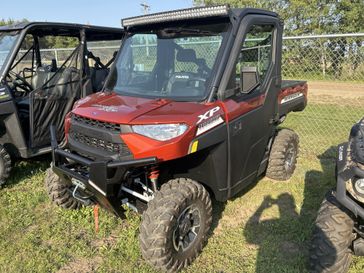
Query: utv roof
(69,29)
(199,13)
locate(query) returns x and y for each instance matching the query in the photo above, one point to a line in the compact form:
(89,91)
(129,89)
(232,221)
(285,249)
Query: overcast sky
(96,12)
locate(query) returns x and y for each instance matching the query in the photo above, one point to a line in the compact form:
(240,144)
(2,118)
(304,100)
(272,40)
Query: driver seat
(183,83)
(43,74)
(179,84)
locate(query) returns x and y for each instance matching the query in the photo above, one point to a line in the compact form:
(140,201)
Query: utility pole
(146,9)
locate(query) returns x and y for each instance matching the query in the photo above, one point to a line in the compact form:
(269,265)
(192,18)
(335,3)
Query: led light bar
(183,14)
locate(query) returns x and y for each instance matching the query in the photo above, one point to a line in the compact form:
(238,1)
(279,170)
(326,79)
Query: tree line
(308,17)
(338,58)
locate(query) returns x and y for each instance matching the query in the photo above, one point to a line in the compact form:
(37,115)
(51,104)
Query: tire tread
(276,164)
(156,222)
(332,237)
(57,190)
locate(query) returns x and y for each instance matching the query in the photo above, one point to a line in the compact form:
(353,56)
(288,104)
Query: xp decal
(208,114)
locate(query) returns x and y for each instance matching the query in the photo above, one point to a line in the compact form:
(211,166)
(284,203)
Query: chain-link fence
(333,65)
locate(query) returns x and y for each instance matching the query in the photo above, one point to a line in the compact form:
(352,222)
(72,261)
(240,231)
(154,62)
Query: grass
(266,228)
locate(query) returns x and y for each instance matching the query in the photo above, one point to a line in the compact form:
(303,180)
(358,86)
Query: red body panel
(301,88)
(113,108)
(132,111)
(235,109)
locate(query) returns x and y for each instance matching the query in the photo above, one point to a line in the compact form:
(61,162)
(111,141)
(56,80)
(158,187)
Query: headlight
(160,132)
(355,187)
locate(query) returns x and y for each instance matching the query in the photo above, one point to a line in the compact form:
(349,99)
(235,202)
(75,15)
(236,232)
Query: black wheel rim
(290,157)
(187,228)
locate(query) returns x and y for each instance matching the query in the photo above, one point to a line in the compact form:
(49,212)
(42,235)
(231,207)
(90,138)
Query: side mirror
(249,79)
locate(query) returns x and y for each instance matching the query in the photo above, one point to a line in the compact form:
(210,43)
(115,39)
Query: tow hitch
(80,185)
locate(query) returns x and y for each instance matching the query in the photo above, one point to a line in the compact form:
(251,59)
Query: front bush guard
(104,177)
(100,179)
(346,172)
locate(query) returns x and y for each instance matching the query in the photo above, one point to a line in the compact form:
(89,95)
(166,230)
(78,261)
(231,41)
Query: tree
(309,17)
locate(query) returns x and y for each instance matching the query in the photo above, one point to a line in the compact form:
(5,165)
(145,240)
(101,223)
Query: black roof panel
(67,29)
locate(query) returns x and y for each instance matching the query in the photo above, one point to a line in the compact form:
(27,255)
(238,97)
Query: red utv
(190,111)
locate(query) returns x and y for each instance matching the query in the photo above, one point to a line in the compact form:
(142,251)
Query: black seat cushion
(98,77)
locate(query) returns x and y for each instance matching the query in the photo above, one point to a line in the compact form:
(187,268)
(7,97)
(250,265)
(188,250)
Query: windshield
(172,63)
(7,40)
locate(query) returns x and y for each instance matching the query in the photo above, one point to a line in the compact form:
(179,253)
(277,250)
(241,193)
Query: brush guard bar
(345,173)
(104,187)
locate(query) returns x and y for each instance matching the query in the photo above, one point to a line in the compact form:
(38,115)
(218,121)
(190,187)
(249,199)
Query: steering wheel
(196,79)
(187,77)
(21,82)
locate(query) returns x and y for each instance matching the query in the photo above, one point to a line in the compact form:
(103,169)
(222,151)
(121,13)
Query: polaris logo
(207,125)
(182,77)
(208,114)
(106,108)
(291,97)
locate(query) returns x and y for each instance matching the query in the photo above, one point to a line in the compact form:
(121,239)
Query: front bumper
(102,178)
(345,172)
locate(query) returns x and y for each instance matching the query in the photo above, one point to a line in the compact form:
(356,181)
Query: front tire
(283,155)
(5,165)
(332,237)
(58,191)
(175,225)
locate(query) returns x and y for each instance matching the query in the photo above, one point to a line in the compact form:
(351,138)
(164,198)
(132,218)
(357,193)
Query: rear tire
(332,237)
(58,191)
(283,155)
(175,225)
(5,165)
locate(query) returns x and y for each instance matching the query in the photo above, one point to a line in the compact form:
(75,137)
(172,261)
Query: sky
(95,12)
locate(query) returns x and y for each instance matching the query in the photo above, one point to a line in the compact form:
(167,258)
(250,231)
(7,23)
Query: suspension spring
(153,177)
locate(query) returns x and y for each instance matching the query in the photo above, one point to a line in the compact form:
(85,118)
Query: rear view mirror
(249,79)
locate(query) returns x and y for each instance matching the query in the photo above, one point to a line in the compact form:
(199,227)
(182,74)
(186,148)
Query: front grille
(113,127)
(115,148)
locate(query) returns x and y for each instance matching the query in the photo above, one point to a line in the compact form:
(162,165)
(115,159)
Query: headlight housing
(161,132)
(355,187)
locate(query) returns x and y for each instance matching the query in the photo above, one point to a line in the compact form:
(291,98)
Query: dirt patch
(335,92)
(104,242)
(234,219)
(81,265)
(89,265)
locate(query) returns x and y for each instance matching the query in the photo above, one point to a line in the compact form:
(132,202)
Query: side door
(57,84)
(250,96)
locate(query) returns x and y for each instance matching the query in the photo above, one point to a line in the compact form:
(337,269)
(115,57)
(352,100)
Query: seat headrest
(186,55)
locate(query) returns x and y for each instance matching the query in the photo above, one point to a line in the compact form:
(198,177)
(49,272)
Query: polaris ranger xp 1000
(44,68)
(189,111)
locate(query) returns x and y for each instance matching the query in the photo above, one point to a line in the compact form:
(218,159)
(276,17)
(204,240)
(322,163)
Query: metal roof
(197,13)
(23,25)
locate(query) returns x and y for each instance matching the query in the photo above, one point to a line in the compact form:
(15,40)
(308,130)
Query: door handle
(237,127)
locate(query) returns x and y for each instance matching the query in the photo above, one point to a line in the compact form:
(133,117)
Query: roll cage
(233,17)
(38,89)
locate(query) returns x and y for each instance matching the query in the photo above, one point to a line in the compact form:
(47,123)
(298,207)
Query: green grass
(266,228)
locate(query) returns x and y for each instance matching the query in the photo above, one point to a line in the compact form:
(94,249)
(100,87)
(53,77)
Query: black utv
(339,228)
(44,69)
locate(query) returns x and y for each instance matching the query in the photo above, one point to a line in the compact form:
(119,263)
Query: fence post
(56,55)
